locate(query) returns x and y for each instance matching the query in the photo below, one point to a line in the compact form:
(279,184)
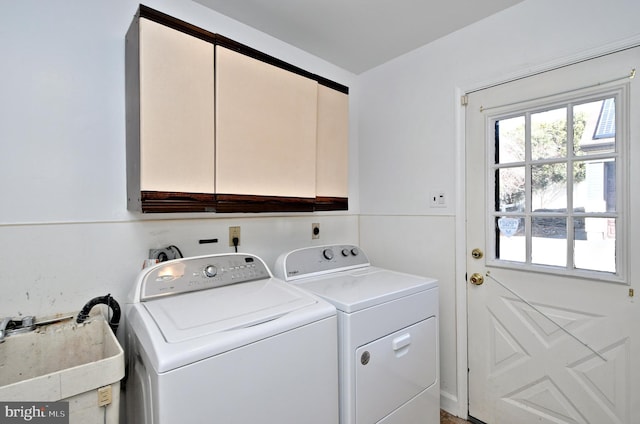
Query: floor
(450,419)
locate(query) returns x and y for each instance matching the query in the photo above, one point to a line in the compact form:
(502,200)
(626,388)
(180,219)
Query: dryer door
(392,370)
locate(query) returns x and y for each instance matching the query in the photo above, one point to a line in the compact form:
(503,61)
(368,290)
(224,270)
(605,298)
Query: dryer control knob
(355,251)
(210,271)
(328,254)
(345,252)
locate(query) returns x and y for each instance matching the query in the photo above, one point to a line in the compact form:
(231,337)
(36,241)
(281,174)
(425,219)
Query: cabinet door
(265,128)
(177,146)
(332,143)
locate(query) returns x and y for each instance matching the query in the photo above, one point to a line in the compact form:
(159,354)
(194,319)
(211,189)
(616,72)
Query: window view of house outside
(555,186)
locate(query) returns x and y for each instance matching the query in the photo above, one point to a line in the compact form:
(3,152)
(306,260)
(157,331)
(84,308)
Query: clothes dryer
(388,333)
(217,339)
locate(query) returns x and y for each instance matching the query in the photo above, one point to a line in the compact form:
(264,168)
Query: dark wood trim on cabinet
(331,204)
(175,23)
(161,202)
(187,28)
(251,203)
(172,202)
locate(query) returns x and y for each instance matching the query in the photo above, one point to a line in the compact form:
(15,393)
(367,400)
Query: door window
(555,178)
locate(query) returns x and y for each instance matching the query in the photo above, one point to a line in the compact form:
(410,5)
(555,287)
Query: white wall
(65,233)
(411,140)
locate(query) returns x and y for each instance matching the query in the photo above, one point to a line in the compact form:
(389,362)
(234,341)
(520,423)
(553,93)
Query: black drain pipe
(104,300)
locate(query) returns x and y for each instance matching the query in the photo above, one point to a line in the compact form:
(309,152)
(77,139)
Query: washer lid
(197,314)
(354,290)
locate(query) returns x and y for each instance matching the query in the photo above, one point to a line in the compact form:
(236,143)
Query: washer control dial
(328,254)
(345,252)
(355,251)
(210,271)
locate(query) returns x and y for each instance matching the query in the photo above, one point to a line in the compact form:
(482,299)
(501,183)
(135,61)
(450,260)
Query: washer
(217,339)
(387,329)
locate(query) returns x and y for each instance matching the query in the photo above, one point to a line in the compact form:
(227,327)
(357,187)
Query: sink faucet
(3,327)
(18,325)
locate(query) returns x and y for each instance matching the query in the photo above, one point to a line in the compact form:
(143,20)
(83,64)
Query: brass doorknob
(477,253)
(476,279)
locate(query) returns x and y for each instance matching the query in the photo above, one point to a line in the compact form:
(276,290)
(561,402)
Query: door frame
(460,405)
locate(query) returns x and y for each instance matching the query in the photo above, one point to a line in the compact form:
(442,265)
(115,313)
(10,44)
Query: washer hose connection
(101,300)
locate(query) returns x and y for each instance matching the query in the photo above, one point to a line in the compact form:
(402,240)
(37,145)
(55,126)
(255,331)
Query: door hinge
(464,100)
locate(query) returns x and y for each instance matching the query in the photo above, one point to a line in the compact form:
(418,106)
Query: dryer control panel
(319,260)
(200,273)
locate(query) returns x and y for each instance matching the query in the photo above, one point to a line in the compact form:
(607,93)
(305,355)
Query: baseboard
(451,404)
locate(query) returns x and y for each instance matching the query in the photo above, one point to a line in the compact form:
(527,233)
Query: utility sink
(65,361)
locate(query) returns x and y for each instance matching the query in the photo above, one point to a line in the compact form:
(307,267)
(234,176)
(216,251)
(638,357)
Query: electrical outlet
(315,231)
(438,199)
(233,233)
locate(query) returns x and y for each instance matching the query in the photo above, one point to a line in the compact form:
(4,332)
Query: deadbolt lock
(476,279)
(477,253)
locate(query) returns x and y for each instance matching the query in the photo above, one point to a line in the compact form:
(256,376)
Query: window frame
(620,93)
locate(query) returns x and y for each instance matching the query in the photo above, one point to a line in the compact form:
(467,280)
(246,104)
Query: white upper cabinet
(265,128)
(332,154)
(177,149)
(214,125)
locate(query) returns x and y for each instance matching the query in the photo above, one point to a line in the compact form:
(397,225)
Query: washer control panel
(319,260)
(201,273)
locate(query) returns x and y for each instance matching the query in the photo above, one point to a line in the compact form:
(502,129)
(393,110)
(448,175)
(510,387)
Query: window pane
(511,242)
(510,140)
(549,186)
(510,189)
(596,251)
(549,241)
(594,127)
(549,134)
(545,162)
(594,186)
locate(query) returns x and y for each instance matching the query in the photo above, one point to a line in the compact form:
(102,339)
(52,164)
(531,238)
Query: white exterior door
(553,206)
